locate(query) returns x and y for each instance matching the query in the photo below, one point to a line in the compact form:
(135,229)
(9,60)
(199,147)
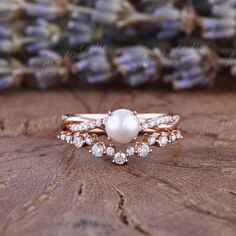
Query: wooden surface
(49,188)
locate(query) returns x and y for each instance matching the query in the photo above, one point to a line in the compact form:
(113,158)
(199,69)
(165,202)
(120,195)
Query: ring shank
(166,120)
(90,117)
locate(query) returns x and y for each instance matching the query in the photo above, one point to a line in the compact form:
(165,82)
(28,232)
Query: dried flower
(37,33)
(194,67)
(135,65)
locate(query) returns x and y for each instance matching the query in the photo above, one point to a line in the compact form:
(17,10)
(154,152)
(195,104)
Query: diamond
(178,135)
(143,149)
(159,121)
(78,141)
(145,126)
(120,158)
(68,139)
(151,123)
(173,137)
(92,125)
(130,151)
(98,149)
(163,140)
(110,151)
(72,127)
(89,140)
(151,140)
(170,119)
(84,126)
(63,137)
(98,123)
(79,127)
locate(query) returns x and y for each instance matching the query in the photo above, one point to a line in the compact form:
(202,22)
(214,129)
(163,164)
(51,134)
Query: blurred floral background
(50,43)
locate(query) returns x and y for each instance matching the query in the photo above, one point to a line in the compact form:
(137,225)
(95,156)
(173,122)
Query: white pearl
(122,126)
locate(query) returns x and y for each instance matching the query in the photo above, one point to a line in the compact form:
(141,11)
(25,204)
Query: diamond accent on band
(78,141)
(163,140)
(120,158)
(145,126)
(143,149)
(89,140)
(73,128)
(110,151)
(69,139)
(85,126)
(99,123)
(178,134)
(151,123)
(130,151)
(98,149)
(93,125)
(152,139)
(172,137)
(62,136)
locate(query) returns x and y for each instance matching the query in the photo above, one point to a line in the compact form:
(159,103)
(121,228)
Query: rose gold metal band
(167,120)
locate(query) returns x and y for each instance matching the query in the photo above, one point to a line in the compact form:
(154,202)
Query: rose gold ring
(121,127)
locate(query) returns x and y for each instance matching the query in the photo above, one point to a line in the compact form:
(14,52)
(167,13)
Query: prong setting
(109,113)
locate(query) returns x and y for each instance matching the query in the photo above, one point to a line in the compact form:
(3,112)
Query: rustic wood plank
(50,188)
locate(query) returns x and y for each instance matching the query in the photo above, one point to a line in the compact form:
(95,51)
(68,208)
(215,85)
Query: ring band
(123,127)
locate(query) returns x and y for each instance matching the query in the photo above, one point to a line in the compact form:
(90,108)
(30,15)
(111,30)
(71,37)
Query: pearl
(122,126)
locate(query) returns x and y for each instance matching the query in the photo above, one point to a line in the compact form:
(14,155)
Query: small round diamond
(98,149)
(110,151)
(160,120)
(92,125)
(145,126)
(120,158)
(84,126)
(173,137)
(163,140)
(63,137)
(143,149)
(79,128)
(178,135)
(72,127)
(68,138)
(98,123)
(130,151)
(151,140)
(151,123)
(89,140)
(78,141)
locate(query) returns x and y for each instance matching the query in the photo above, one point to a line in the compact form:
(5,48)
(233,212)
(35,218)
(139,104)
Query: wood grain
(49,188)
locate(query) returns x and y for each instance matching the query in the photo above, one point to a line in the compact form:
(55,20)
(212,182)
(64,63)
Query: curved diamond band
(139,132)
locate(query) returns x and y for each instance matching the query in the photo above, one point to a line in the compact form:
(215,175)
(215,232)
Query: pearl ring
(121,127)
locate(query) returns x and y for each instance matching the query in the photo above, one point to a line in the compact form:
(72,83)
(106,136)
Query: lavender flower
(39,31)
(218,28)
(9,79)
(47,70)
(193,67)
(108,12)
(222,23)
(135,65)
(93,66)
(42,10)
